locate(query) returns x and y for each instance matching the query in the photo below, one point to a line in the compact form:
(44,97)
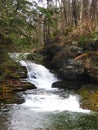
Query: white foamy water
(38,75)
(45,99)
(53,102)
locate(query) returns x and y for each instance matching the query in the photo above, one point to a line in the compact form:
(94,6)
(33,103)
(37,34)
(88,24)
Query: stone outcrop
(11,82)
(11,77)
(73,62)
(68,85)
(15,85)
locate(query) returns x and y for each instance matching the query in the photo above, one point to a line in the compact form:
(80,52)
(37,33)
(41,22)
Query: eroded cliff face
(74,62)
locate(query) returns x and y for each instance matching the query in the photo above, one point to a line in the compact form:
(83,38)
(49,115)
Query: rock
(12,70)
(9,89)
(14,85)
(71,70)
(71,62)
(62,59)
(22,72)
(69,85)
(15,73)
(49,52)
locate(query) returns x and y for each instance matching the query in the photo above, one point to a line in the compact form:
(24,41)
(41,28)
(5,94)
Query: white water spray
(44,99)
(39,75)
(53,102)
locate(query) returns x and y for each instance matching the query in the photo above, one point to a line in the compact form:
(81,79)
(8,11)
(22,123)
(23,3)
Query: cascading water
(46,98)
(45,108)
(39,75)
(53,102)
(49,100)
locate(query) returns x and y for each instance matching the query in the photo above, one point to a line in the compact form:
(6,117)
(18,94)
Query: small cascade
(48,101)
(46,98)
(38,75)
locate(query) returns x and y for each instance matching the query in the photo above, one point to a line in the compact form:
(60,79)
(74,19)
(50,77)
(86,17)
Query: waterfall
(38,75)
(47,101)
(46,98)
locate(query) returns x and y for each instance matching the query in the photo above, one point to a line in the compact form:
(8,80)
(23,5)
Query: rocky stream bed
(76,66)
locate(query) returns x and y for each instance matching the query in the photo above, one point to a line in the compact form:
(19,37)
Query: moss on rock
(11,70)
(89,97)
(10,74)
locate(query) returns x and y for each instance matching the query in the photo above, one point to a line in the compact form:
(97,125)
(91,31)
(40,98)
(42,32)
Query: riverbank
(11,80)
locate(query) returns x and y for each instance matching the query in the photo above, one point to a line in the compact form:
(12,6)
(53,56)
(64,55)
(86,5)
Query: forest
(25,23)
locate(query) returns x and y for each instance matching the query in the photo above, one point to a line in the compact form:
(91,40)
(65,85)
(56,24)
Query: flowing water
(46,108)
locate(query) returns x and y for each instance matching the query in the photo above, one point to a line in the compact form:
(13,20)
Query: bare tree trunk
(85,10)
(44,32)
(65,11)
(93,10)
(74,12)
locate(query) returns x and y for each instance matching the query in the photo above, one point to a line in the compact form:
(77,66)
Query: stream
(46,108)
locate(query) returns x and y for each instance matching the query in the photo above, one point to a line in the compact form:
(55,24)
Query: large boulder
(68,85)
(14,85)
(73,62)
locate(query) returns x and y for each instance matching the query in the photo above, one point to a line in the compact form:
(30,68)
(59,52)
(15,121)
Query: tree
(94,10)
(74,11)
(85,9)
(15,19)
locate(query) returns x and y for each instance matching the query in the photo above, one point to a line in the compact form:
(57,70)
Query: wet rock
(9,89)
(13,85)
(69,85)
